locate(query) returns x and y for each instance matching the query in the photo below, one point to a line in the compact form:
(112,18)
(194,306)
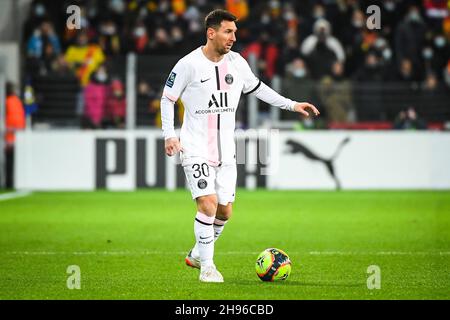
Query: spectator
(84,58)
(108,39)
(446,73)
(239,8)
(367,89)
(95,97)
(409,120)
(266,53)
(440,52)
(193,18)
(410,40)
(322,35)
(38,14)
(139,40)
(60,67)
(42,48)
(116,104)
(178,43)
(406,71)
(384,52)
(371,71)
(335,93)
(436,11)
(29,100)
(322,49)
(162,43)
(434,95)
(289,52)
(15,120)
(42,38)
(147,103)
(353,36)
(297,84)
(389,13)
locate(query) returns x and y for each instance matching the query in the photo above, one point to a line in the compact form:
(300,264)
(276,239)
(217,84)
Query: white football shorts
(204,179)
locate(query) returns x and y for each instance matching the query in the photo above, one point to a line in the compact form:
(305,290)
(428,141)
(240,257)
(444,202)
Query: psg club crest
(229,79)
(202,183)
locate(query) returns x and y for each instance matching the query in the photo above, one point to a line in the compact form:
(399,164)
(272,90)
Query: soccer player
(209,81)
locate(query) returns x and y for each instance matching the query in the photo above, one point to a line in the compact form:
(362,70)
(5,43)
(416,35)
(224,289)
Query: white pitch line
(379,253)
(14,195)
(313,253)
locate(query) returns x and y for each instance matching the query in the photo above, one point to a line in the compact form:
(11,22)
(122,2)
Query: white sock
(218,228)
(204,236)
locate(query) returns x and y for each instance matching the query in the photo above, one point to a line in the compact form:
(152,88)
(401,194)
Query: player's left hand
(301,107)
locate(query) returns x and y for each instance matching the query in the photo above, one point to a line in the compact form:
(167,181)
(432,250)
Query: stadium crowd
(323,46)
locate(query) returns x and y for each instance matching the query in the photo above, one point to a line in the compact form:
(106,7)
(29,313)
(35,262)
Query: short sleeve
(251,82)
(177,81)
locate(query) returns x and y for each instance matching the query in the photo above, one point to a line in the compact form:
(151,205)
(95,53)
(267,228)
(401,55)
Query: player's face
(224,37)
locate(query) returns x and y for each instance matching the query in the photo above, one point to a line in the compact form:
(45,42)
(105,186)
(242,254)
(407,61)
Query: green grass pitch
(131,245)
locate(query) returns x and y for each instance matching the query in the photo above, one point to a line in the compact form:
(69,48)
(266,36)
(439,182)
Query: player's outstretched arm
(270,96)
(301,107)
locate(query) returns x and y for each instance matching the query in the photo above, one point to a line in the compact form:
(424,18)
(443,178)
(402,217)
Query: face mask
(143,12)
(37,33)
(177,36)
(414,17)
(389,6)
(109,30)
(84,22)
(387,54)
(117,6)
(289,15)
(427,53)
(92,13)
(39,10)
(139,32)
(164,6)
(299,73)
(357,23)
(380,43)
(102,76)
(439,41)
(319,14)
(274,4)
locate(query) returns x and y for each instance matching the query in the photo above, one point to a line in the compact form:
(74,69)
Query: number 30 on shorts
(200,169)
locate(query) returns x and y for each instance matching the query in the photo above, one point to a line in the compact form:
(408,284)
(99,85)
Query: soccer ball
(273,264)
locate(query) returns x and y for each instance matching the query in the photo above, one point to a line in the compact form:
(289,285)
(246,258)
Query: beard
(223,50)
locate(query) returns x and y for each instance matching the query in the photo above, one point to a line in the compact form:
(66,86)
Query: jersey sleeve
(251,82)
(177,81)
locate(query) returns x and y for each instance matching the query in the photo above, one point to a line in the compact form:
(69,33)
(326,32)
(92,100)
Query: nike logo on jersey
(204,80)
(204,238)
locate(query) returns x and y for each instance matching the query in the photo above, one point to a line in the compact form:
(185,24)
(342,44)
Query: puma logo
(298,147)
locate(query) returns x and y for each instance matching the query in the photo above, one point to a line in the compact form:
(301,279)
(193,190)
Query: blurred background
(366,184)
(80,108)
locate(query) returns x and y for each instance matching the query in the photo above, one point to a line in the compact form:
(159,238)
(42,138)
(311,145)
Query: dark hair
(215,18)
(9,89)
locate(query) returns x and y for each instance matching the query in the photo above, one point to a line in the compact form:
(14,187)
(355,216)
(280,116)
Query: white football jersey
(210,93)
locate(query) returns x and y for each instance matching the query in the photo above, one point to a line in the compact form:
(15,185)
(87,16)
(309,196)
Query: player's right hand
(172,146)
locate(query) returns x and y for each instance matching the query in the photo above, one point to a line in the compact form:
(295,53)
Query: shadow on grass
(296,283)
